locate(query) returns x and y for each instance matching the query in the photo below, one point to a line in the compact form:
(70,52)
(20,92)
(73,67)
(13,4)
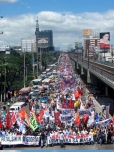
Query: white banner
(84,112)
(71,139)
(20,140)
(67,111)
(65,118)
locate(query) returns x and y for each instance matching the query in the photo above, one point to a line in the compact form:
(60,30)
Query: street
(67,147)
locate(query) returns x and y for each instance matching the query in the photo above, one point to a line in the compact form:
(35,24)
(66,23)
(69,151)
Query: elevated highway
(101,71)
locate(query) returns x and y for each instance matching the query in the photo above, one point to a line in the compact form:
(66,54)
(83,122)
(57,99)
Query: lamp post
(104,54)
(1,17)
(82,55)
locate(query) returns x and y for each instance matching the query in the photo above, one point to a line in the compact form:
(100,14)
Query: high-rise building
(49,35)
(90,43)
(27,45)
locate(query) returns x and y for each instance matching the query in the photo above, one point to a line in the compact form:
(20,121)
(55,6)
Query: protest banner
(71,139)
(31,140)
(65,118)
(20,140)
(11,140)
(67,111)
(84,112)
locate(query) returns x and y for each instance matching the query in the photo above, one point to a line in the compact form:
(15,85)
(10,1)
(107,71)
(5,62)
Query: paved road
(67,147)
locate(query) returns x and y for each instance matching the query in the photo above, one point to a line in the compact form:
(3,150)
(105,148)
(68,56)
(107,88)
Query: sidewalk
(100,101)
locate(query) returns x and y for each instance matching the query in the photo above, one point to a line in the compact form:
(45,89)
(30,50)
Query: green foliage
(12,67)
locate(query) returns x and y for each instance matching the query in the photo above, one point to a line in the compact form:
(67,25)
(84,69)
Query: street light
(1,17)
(104,54)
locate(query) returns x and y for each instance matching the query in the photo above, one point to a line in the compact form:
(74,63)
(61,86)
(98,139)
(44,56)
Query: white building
(90,43)
(27,45)
(5,49)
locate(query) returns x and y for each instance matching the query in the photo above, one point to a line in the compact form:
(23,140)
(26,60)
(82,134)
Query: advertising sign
(105,40)
(86,32)
(78,44)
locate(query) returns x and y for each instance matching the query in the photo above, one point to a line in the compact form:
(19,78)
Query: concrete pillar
(106,91)
(88,77)
(77,66)
(82,70)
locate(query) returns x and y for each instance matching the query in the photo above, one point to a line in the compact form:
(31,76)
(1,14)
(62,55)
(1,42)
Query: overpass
(93,69)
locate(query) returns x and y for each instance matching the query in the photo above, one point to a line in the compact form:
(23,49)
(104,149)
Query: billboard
(87,32)
(43,42)
(78,44)
(105,40)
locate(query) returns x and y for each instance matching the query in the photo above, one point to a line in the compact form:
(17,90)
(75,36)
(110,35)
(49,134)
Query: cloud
(28,7)
(8,1)
(67,27)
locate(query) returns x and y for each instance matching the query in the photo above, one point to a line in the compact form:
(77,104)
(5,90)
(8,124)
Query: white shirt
(61,136)
(84,132)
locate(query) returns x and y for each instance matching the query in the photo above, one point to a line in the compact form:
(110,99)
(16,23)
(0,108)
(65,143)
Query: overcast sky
(66,18)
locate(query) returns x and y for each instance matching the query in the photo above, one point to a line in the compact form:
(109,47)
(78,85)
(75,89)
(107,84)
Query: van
(16,107)
(45,83)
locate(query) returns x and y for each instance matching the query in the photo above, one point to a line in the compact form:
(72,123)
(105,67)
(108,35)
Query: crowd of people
(65,118)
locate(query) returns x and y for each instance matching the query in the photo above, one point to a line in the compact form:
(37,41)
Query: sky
(66,18)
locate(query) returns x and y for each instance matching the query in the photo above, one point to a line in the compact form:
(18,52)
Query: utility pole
(5,86)
(33,58)
(1,17)
(41,57)
(37,35)
(24,68)
(88,56)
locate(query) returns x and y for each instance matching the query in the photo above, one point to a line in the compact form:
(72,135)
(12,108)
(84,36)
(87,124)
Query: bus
(24,92)
(36,82)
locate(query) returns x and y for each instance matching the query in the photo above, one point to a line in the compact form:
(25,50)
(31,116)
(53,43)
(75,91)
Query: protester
(64,118)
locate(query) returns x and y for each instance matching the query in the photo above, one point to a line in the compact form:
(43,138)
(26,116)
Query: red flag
(112,121)
(57,120)
(0,123)
(13,118)
(76,94)
(39,118)
(80,91)
(8,120)
(71,104)
(86,117)
(22,113)
(77,119)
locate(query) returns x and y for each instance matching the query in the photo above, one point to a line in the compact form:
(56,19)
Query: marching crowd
(65,118)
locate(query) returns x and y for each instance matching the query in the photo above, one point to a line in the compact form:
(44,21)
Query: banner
(67,111)
(86,32)
(31,140)
(20,140)
(71,139)
(105,40)
(84,112)
(65,118)
(33,122)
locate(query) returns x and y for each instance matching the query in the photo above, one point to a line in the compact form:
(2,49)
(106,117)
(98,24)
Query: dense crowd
(65,116)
